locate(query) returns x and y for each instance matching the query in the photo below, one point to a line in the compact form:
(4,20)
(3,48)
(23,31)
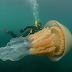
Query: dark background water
(17,14)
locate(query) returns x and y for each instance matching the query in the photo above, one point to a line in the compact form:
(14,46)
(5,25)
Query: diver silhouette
(32,30)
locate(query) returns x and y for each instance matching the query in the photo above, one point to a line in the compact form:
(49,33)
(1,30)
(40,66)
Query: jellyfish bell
(53,41)
(66,41)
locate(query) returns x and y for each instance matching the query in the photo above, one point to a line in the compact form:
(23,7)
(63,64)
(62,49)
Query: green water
(17,14)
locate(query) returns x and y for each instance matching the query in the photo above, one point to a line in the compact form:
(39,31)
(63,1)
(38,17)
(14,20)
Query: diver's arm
(22,30)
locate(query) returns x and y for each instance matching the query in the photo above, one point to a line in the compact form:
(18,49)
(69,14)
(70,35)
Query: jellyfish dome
(63,41)
(54,41)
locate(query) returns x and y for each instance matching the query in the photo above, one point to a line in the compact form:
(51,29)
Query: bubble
(34,6)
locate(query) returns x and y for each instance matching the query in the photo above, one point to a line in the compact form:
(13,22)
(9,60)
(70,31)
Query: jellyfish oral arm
(48,42)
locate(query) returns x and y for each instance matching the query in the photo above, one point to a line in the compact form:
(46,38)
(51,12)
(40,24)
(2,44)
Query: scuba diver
(32,30)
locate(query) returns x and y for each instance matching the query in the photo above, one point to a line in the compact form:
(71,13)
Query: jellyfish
(53,41)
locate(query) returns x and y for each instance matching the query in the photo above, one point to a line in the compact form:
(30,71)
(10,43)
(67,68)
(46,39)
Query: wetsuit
(32,30)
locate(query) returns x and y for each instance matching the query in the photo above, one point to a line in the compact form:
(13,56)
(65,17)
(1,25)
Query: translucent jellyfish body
(53,41)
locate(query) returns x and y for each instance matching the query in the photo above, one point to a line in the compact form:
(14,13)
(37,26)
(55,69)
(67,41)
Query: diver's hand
(22,30)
